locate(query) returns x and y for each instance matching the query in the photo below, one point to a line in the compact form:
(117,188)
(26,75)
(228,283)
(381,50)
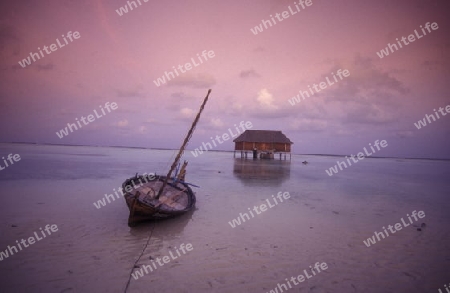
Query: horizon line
(171,149)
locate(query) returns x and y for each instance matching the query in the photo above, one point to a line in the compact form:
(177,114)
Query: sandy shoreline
(323,221)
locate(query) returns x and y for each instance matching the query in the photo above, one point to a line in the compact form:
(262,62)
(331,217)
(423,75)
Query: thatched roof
(264,136)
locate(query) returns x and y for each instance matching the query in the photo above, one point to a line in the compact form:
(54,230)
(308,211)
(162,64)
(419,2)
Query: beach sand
(325,219)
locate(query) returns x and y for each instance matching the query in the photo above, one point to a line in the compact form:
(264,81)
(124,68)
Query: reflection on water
(172,227)
(251,172)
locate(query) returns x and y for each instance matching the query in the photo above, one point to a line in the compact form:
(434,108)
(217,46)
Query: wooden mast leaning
(186,140)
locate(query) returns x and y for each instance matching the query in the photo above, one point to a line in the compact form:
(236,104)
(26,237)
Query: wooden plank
(171,200)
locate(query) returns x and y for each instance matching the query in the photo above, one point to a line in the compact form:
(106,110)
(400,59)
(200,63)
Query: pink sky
(251,76)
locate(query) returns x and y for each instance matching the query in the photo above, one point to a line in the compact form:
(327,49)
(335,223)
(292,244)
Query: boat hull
(140,195)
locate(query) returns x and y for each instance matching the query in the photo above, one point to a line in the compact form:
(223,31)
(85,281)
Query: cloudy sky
(252,77)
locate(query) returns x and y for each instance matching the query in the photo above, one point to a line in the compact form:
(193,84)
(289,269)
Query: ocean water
(326,219)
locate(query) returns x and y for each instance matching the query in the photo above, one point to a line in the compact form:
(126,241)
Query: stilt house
(263,143)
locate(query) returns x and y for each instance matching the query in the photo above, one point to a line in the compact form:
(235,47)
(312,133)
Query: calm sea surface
(325,220)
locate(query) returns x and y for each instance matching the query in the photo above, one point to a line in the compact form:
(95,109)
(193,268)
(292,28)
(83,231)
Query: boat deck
(172,199)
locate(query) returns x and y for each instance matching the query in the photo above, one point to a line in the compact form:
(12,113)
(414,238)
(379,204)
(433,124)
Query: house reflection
(259,172)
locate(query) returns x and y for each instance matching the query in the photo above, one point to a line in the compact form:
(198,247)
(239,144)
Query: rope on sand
(139,258)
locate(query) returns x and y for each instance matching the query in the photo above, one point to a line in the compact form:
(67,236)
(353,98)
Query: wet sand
(325,220)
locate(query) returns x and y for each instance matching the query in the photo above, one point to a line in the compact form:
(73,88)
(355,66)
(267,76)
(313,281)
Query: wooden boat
(160,197)
(177,198)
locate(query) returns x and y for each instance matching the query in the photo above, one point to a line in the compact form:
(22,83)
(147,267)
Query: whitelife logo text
(184,68)
(52,47)
(86,120)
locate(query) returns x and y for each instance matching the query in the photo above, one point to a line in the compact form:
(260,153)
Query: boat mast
(186,140)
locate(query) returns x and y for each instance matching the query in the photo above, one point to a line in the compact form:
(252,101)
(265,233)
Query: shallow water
(325,219)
